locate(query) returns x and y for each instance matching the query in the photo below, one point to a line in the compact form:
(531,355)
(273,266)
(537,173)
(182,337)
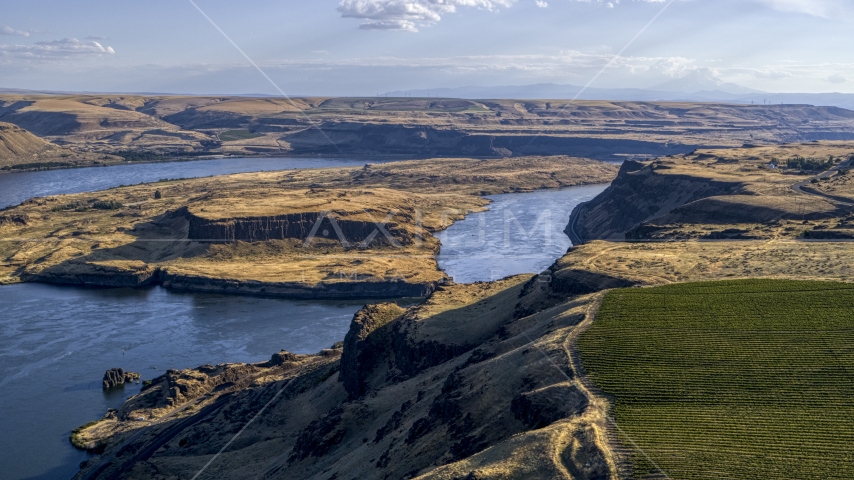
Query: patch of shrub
(141,156)
(76,206)
(38,166)
(808,164)
(108,205)
(75,435)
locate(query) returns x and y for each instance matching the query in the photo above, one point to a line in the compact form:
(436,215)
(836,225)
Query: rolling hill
(234,125)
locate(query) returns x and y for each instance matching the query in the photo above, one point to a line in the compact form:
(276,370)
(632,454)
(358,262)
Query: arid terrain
(747,193)
(483,380)
(118,128)
(21,149)
(316,233)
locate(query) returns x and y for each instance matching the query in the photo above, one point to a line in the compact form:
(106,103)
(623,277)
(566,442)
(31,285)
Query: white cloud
(56,49)
(772,74)
(407,15)
(818,8)
(12,31)
(836,79)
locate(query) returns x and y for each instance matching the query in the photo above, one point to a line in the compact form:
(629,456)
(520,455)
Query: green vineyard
(745,379)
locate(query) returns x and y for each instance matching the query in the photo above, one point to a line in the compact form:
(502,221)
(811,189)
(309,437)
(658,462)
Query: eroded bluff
(301,226)
(641,192)
(475,383)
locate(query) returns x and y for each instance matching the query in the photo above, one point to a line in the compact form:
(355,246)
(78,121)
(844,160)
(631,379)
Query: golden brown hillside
(193,126)
(21,149)
(746,193)
(18,146)
(481,381)
(17,143)
(484,381)
(304,234)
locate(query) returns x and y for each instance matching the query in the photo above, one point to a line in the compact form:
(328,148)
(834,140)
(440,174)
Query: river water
(520,233)
(20,186)
(56,342)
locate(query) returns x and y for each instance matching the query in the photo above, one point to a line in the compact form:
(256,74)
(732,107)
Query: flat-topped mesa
(301,226)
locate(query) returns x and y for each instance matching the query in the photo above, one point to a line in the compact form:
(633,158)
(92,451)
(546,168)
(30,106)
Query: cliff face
(365,346)
(93,275)
(89,274)
(324,290)
(301,226)
(640,193)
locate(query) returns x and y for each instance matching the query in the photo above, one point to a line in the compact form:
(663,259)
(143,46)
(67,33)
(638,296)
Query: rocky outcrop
(282,358)
(137,274)
(540,408)
(15,220)
(366,345)
(387,343)
(117,376)
(413,353)
(640,193)
(181,386)
(300,226)
(570,281)
(370,288)
(140,275)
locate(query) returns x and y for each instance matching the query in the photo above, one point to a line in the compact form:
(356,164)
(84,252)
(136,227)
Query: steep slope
(716,194)
(459,387)
(20,147)
(92,122)
(16,142)
(639,193)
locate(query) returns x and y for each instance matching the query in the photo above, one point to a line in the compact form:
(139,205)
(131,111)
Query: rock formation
(301,226)
(540,408)
(117,376)
(639,193)
(365,345)
(21,219)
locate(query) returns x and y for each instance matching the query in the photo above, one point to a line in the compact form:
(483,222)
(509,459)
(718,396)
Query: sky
(367,47)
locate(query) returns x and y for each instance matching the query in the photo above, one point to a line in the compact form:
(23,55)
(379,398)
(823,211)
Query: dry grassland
(126,237)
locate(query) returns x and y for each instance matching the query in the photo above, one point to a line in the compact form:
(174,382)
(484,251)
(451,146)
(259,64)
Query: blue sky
(364,47)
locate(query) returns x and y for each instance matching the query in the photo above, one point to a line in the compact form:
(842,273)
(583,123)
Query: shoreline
(180,283)
(200,158)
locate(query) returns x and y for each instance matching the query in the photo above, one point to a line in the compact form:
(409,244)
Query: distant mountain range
(699,86)
(703,80)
